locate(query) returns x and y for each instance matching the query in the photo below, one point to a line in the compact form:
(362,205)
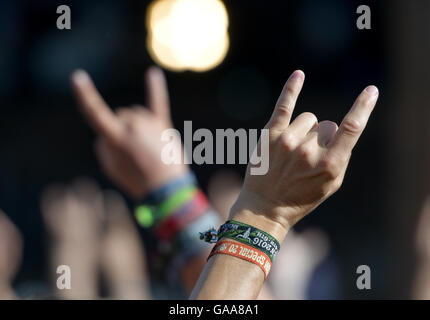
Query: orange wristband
(244,252)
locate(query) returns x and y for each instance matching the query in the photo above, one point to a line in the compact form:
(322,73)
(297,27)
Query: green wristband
(250,235)
(148,215)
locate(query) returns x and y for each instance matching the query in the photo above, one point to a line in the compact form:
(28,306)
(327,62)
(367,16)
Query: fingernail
(372,90)
(80,76)
(298,74)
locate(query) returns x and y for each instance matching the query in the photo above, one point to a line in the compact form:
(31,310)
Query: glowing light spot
(188,34)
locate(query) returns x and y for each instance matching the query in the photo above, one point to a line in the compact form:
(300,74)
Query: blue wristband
(161,194)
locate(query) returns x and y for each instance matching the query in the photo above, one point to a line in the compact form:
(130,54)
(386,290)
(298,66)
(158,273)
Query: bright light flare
(188,34)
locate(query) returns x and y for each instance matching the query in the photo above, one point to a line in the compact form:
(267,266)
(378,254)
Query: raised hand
(129,140)
(307,161)
(73,216)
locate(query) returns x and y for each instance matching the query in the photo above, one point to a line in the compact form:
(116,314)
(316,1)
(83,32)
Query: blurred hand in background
(11,246)
(223,189)
(73,216)
(296,263)
(92,232)
(129,146)
(129,140)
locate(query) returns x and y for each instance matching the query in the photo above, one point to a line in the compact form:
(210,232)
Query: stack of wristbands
(176,212)
(251,244)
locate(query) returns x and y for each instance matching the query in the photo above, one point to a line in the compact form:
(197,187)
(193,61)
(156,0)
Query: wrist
(165,174)
(252,210)
(162,202)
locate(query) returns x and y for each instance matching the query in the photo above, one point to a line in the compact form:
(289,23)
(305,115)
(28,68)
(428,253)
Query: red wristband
(243,252)
(177,221)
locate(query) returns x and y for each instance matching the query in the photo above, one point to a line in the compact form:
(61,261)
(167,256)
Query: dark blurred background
(45,140)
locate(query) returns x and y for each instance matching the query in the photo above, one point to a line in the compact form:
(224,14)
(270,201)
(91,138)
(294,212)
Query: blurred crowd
(94,233)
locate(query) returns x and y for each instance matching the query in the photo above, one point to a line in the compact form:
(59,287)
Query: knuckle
(330,167)
(290,90)
(325,190)
(352,127)
(305,152)
(283,110)
(337,184)
(133,124)
(288,141)
(331,187)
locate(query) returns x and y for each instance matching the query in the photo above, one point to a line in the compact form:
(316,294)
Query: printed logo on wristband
(243,252)
(249,235)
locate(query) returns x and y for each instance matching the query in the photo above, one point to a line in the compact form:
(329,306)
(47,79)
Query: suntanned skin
(307,164)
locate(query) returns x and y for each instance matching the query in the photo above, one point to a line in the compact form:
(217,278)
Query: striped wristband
(165,201)
(183,216)
(173,208)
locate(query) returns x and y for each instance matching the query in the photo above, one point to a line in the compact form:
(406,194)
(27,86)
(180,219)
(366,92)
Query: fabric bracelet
(159,195)
(148,215)
(186,244)
(182,217)
(157,204)
(248,234)
(244,252)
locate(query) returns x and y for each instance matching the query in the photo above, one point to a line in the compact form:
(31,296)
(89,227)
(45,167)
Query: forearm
(227,277)
(191,270)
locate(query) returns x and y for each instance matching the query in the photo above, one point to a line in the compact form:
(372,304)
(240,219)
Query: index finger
(98,114)
(354,122)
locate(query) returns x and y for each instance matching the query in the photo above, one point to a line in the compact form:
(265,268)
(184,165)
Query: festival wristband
(162,202)
(164,192)
(148,215)
(183,216)
(246,234)
(244,252)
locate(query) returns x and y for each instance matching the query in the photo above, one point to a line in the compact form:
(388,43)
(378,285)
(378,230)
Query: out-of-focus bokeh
(225,74)
(187,34)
